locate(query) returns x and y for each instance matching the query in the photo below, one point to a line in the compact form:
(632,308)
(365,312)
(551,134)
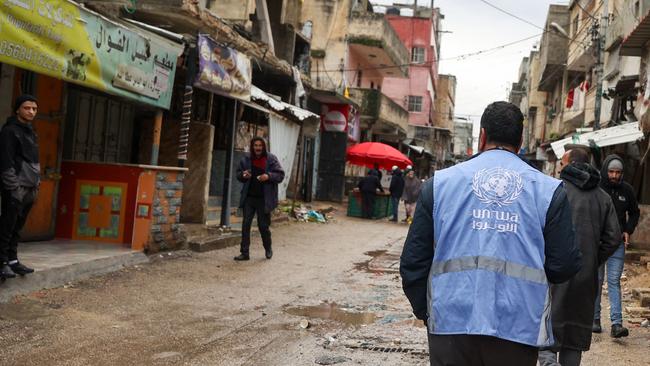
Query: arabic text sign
(223,70)
(62,40)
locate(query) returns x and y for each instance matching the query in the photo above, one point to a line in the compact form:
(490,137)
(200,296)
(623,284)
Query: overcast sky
(476,26)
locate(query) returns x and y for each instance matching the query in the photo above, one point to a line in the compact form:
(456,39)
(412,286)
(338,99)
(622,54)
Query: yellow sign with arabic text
(65,41)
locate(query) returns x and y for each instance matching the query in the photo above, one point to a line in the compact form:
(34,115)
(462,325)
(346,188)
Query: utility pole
(598,38)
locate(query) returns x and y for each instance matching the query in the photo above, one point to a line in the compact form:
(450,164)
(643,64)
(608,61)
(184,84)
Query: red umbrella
(370,153)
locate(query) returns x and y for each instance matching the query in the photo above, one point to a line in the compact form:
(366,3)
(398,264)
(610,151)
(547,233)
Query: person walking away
(412,186)
(368,187)
(260,171)
(627,211)
(488,235)
(396,191)
(598,236)
(19,181)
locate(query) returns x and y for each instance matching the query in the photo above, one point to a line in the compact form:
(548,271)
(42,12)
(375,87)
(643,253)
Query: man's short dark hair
(503,123)
(578,156)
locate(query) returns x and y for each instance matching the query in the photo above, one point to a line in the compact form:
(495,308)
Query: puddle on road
(380,262)
(332,311)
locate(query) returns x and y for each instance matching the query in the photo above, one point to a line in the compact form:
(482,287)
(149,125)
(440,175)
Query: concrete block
(161,177)
(645,301)
(158,237)
(641,291)
(157,211)
(180,177)
(170,194)
(636,311)
(214,243)
(161,219)
(156,229)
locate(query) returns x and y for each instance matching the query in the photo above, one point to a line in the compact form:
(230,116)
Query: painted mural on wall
(223,70)
(65,41)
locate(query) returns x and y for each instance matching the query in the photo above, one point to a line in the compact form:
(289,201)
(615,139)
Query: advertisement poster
(62,40)
(223,70)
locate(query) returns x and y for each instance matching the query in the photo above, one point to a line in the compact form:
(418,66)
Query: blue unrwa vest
(487,276)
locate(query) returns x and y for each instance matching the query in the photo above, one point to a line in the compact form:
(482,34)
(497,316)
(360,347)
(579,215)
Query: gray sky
(477,26)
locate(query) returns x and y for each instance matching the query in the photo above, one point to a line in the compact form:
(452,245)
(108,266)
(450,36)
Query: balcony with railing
(381,111)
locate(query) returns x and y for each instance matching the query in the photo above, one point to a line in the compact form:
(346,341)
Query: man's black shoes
(242,257)
(6,272)
(21,269)
(596,328)
(619,331)
(268,253)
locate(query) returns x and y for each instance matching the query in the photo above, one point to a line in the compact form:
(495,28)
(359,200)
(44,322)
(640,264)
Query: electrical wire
(458,57)
(511,14)
(585,10)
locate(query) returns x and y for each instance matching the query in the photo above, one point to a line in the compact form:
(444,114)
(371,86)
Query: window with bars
(417,55)
(415,103)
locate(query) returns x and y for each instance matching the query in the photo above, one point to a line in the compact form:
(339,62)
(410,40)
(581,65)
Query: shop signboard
(223,70)
(68,42)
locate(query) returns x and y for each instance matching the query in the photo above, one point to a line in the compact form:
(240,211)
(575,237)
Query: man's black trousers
(367,204)
(255,206)
(12,219)
(470,350)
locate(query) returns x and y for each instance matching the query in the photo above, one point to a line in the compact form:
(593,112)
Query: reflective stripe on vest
(490,264)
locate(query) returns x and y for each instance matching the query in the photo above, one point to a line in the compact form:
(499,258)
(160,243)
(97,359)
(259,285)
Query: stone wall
(166,212)
(642,232)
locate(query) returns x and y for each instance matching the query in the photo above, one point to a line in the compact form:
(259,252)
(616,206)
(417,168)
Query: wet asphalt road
(340,280)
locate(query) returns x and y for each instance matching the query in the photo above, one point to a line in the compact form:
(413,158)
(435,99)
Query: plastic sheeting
(283,137)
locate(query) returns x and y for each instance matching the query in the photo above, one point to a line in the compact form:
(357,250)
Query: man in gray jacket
(19,181)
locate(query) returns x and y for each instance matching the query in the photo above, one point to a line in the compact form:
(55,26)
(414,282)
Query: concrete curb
(59,276)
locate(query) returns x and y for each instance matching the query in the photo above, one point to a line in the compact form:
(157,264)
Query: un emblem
(497,186)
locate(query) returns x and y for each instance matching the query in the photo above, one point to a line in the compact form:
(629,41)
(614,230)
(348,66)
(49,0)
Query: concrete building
(420,32)
(463,138)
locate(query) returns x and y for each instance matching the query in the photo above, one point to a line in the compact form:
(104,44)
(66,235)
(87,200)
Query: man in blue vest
(478,259)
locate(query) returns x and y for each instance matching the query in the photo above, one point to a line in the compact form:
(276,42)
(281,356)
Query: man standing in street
(627,211)
(368,187)
(598,236)
(260,172)
(19,179)
(487,237)
(396,191)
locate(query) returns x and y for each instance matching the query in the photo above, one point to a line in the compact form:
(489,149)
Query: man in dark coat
(396,191)
(260,171)
(19,181)
(627,211)
(368,187)
(598,236)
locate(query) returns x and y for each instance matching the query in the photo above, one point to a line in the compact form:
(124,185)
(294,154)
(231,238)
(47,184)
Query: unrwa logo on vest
(497,186)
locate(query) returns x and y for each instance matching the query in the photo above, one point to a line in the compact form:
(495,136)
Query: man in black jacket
(368,187)
(627,211)
(396,191)
(19,181)
(598,236)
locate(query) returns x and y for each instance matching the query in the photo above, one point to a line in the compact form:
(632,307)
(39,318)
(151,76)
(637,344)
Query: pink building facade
(417,92)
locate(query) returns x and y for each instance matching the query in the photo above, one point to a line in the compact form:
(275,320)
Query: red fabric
(569,98)
(370,153)
(259,163)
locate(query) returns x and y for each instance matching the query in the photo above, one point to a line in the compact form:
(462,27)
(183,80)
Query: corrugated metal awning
(291,111)
(622,134)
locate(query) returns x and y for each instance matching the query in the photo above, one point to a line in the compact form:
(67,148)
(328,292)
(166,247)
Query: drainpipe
(227,183)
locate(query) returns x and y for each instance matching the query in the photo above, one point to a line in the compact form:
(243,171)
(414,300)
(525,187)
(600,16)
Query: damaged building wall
(330,25)
(199,162)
